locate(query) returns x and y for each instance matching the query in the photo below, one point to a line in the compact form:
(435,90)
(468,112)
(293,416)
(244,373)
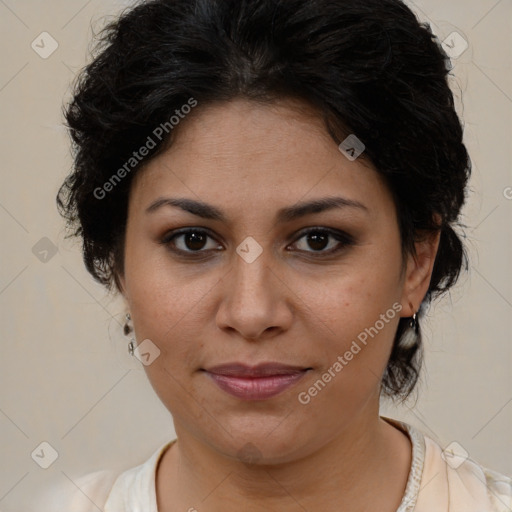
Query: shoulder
(449,479)
(87,493)
(499,488)
(468,483)
(105,490)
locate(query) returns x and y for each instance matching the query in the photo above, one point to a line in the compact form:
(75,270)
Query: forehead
(242,153)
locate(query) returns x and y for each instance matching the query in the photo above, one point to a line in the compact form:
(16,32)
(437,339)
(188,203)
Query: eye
(194,241)
(318,240)
(189,241)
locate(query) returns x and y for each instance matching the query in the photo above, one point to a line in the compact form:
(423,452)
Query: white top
(438,482)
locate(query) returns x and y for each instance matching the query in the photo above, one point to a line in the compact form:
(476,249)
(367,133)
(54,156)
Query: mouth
(258,382)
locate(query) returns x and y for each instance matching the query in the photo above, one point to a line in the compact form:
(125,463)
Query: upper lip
(259,370)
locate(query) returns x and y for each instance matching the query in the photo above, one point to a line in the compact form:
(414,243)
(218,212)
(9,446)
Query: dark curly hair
(368,67)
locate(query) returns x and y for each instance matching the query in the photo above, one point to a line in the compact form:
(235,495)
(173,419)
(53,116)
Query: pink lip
(257,382)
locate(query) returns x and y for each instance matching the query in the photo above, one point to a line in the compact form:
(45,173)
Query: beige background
(66,377)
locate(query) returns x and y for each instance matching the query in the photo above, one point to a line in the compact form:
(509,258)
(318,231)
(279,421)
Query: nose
(256,302)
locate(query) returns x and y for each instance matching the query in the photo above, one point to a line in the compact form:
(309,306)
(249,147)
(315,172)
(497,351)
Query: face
(250,285)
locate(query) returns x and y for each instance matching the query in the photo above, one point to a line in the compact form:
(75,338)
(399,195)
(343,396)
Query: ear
(121,285)
(419,272)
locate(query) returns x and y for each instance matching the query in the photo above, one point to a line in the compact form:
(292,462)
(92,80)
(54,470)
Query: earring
(413,323)
(127,329)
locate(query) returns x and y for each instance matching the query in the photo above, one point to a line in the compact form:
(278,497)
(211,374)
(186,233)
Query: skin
(290,305)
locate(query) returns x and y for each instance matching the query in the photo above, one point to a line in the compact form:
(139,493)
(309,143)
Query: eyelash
(344,238)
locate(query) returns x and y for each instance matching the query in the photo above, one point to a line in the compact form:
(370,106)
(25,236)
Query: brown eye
(189,241)
(194,241)
(319,239)
(198,242)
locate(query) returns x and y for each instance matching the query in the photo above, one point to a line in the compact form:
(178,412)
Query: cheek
(358,323)
(348,301)
(173,308)
(356,312)
(170,312)
(160,295)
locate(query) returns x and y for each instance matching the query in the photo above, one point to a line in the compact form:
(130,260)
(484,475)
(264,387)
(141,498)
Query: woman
(273,188)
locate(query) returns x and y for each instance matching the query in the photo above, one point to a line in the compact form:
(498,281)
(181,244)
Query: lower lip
(255,388)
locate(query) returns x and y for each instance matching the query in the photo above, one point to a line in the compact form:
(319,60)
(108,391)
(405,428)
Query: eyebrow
(288,214)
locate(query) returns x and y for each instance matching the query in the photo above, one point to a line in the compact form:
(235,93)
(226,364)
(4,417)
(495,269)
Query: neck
(368,454)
